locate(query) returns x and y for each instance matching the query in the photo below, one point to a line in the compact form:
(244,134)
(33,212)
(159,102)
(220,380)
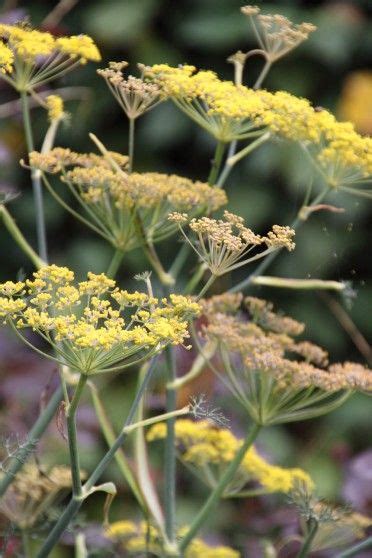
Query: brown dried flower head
(226,244)
(133,94)
(259,367)
(276,34)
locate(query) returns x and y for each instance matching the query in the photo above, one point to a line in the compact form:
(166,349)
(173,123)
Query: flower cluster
(207,450)
(134,95)
(32,493)
(54,104)
(30,58)
(139,538)
(128,209)
(224,110)
(260,369)
(227,111)
(276,34)
(93,325)
(225,245)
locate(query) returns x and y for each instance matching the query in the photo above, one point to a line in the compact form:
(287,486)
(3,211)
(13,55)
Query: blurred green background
(267,188)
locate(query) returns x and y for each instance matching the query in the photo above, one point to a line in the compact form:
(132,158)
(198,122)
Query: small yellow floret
(54,105)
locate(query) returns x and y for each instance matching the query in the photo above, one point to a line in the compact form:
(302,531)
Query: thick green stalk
(216,163)
(306,547)
(26,545)
(72,438)
(109,436)
(195,279)
(76,502)
(35,433)
(217,493)
(36,182)
(303,284)
(170,451)
(354,550)
(115,263)
(19,238)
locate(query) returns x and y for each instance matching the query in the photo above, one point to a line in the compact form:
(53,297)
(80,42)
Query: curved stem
(306,547)
(216,494)
(75,503)
(19,238)
(36,182)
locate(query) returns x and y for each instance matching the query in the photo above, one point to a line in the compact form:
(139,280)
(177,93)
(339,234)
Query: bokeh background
(331,69)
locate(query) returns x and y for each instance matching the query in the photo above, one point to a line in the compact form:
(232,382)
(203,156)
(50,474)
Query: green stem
(164,277)
(19,238)
(115,263)
(298,221)
(131,144)
(216,494)
(234,158)
(216,163)
(354,550)
(75,503)
(158,418)
(33,437)
(303,284)
(195,279)
(36,181)
(210,281)
(109,435)
(306,547)
(179,260)
(72,438)
(263,74)
(170,450)
(26,545)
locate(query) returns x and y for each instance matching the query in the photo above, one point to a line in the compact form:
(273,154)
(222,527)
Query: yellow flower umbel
(207,451)
(32,493)
(93,326)
(37,57)
(258,366)
(342,156)
(276,34)
(141,538)
(128,210)
(225,245)
(226,111)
